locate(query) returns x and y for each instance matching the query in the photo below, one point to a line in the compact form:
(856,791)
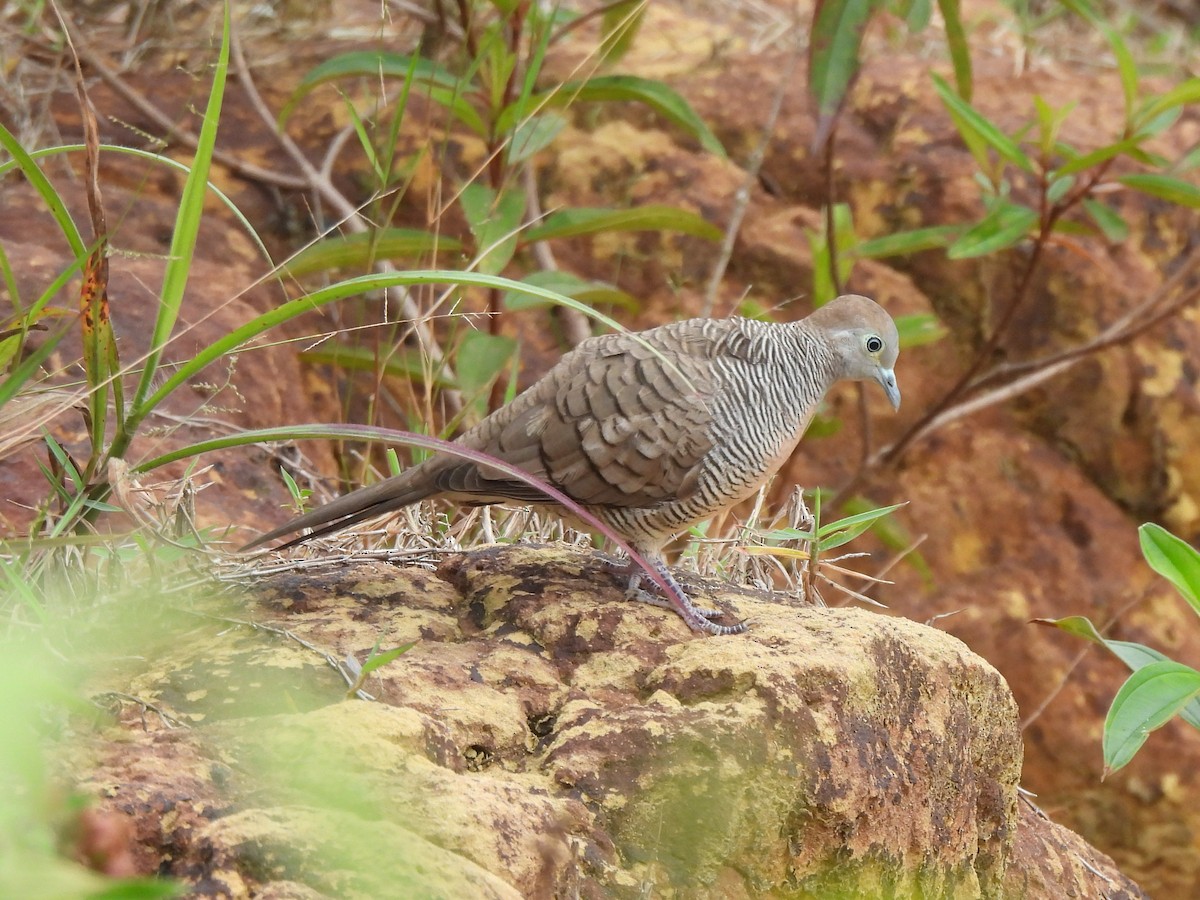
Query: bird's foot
(697,619)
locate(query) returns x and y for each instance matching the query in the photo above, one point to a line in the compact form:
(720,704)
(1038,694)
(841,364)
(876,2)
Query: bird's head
(864,341)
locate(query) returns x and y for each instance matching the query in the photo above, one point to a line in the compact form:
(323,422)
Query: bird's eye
(874,344)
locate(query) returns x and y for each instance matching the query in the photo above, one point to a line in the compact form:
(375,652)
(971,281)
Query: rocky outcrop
(544,737)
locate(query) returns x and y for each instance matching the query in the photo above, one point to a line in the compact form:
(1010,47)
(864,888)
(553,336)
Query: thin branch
(741,198)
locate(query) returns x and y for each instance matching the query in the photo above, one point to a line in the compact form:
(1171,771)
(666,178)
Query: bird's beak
(887,378)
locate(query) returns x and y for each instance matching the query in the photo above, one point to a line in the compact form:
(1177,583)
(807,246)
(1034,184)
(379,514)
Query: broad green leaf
(905,242)
(361,251)
(1151,697)
(535,133)
(653,217)
(1134,655)
(1107,219)
(960,50)
(833,45)
(495,222)
(1174,559)
(966,116)
(1176,190)
(916,14)
(480,359)
(917,329)
(368,64)
(593,293)
(1007,224)
(662,99)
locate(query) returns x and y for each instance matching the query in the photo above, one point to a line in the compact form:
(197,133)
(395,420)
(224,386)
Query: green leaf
(1059,187)
(480,359)
(403,363)
(653,217)
(1134,655)
(1004,226)
(1175,190)
(369,64)
(1126,66)
(1107,219)
(495,222)
(1151,697)
(833,46)
(905,242)
(660,98)
(1078,163)
(593,293)
(1184,94)
(619,25)
(533,134)
(917,329)
(835,534)
(363,250)
(960,50)
(183,243)
(1174,559)
(966,117)
(379,660)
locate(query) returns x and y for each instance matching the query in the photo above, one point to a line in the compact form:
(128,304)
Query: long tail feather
(350,509)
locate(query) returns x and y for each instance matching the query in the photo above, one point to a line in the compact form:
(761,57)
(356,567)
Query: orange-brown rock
(545,737)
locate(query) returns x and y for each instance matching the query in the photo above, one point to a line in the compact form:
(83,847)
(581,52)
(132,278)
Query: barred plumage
(655,431)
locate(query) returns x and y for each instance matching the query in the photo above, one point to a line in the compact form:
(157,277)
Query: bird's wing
(613,424)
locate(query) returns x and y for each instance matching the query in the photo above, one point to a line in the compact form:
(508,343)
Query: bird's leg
(677,598)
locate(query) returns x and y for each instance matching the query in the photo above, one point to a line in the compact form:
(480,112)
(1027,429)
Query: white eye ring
(874,344)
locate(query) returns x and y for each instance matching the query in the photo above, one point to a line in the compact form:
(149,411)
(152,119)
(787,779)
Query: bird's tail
(350,509)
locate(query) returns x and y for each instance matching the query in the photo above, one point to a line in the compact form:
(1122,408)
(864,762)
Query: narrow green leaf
(967,115)
(1007,224)
(1150,698)
(619,26)
(361,251)
(1176,190)
(1078,163)
(1156,125)
(368,64)
(659,97)
(833,47)
(379,660)
(593,293)
(653,217)
(1174,559)
(403,363)
(904,242)
(45,190)
(960,50)
(860,518)
(183,240)
(917,14)
(1107,219)
(1185,94)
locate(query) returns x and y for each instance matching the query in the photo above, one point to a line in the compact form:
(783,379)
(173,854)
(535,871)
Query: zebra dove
(654,431)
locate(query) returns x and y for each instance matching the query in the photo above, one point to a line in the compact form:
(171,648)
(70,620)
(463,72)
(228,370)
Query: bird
(652,431)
